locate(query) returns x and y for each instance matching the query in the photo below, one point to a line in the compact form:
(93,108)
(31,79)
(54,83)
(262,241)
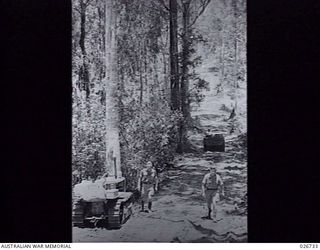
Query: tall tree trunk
(235,65)
(112,111)
(184,83)
(85,68)
(141,78)
(221,59)
(155,75)
(102,20)
(235,42)
(121,88)
(186,44)
(174,63)
(145,59)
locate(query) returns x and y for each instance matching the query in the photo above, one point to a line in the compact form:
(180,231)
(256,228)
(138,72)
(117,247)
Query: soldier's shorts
(147,192)
(210,194)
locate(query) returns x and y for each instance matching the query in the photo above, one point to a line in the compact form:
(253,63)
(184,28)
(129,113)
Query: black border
(283,65)
(36,119)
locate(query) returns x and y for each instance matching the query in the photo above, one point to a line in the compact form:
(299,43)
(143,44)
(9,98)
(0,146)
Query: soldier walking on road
(212,185)
(147,185)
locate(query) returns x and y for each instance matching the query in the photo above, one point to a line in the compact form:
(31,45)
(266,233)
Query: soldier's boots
(150,206)
(209,215)
(142,206)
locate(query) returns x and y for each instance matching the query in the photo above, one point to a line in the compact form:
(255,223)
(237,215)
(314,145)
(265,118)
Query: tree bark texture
(186,44)
(184,82)
(235,66)
(84,69)
(174,63)
(112,109)
(235,31)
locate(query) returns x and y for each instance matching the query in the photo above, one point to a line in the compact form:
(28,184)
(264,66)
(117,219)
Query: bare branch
(87,2)
(202,9)
(77,10)
(164,4)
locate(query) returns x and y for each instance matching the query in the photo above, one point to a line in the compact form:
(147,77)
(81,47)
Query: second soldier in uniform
(147,185)
(211,186)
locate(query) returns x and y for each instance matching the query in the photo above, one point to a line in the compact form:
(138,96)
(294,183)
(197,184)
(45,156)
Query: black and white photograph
(159,121)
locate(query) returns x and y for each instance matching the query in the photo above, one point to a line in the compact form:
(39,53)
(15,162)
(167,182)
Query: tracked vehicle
(214,143)
(111,211)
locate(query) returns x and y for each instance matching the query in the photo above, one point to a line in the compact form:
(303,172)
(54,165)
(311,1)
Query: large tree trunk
(84,68)
(221,64)
(141,78)
(112,112)
(235,43)
(174,64)
(186,44)
(145,59)
(102,20)
(184,83)
(235,65)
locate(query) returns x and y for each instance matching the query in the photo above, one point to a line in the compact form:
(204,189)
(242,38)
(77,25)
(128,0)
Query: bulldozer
(111,208)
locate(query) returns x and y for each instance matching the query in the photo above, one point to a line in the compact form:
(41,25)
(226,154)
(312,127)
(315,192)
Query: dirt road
(179,207)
